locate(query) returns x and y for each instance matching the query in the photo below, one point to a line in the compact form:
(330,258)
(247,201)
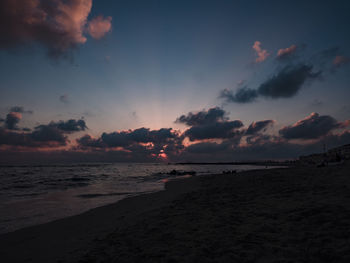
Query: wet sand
(297,214)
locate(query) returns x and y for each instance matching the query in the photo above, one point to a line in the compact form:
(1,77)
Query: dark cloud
(58,25)
(258,126)
(142,135)
(41,137)
(145,145)
(312,127)
(64,99)
(263,147)
(20,109)
(203,117)
(12,119)
(127,138)
(330,60)
(216,130)
(268,148)
(224,152)
(140,144)
(242,95)
(207,147)
(211,124)
(134,115)
(88,141)
(8,137)
(68,126)
(325,56)
(258,139)
(285,84)
(49,135)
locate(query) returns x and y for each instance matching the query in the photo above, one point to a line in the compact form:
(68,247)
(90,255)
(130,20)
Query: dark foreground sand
(282,215)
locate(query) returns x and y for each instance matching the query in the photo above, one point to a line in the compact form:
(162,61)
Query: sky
(88,80)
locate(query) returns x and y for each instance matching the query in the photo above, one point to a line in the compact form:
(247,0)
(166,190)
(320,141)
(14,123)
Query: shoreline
(256,206)
(19,213)
(84,227)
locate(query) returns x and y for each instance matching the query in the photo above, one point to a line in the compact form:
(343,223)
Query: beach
(296,214)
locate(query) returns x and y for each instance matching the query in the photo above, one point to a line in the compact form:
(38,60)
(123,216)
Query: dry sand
(281,215)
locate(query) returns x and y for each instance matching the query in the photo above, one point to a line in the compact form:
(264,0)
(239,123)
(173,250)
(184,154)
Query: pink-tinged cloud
(261,53)
(58,25)
(99,26)
(313,126)
(12,119)
(72,17)
(16,115)
(286,52)
(340,61)
(344,124)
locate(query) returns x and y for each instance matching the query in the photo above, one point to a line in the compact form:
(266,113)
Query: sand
(299,214)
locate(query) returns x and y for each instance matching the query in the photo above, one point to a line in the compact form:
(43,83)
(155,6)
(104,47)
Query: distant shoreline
(261,163)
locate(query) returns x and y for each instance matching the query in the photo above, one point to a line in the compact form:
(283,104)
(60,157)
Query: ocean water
(36,194)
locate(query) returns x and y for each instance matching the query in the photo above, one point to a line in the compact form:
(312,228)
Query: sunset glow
(147,86)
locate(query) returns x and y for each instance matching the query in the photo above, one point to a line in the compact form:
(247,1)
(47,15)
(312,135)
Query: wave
(110,194)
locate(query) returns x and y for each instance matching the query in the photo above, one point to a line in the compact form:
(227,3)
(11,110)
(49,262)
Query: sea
(36,194)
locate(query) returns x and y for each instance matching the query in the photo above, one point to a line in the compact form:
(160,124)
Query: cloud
(339,61)
(324,55)
(285,84)
(47,133)
(203,117)
(214,138)
(127,138)
(99,26)
(209,124)
(207,147)
(261,148)
(139,144)
(53,134)
(64,99)
(312,127)
(258,126)
(141,135)
(226,151)
(67,126)
(20,109)
(242,95)
(42,136)
(134,115)
(286,52)
(12,119)
(216,130)
(88,141)
(261,53)
(58,25)
(324,59)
